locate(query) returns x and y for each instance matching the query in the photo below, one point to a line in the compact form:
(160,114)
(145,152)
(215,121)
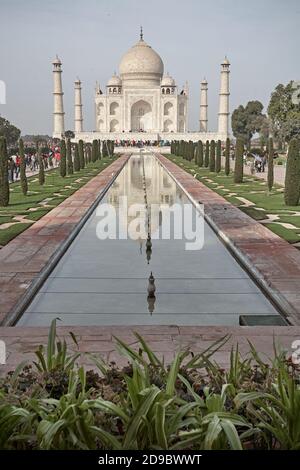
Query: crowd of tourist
(50,159)
(140,143)
(257,161)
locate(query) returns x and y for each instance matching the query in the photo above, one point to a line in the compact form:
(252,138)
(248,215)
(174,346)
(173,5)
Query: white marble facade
(142,98)
(142,102)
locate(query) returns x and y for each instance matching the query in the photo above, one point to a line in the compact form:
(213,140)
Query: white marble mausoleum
(142,102)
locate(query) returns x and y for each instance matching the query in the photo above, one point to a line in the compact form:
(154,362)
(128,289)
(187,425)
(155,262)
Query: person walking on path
(11,169)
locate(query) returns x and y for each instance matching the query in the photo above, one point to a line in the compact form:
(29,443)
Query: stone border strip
(273,262)
(28,259)
(21,342)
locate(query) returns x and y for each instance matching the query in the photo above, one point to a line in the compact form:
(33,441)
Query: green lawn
(255,191)
(55,190)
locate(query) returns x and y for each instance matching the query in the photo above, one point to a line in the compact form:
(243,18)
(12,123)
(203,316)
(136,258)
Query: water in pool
(105,282)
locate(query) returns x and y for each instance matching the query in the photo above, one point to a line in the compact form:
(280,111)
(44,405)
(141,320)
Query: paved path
(21,342)
(35,172)
(279,172)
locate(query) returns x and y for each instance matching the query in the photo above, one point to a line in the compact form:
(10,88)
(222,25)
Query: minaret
(186,93)
(224,98)
(78,107)
(203,106)
(58,111)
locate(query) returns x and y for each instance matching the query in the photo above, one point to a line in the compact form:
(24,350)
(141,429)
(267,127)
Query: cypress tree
(23,178)
(212,156)
(99,150)
(104,148)
(109,147)
(89,150)
(187,150)
(270,164)
(69,158)
(4,183)
(76,159)
(292,174)
(184,149)
(206,160)
(81,153)
(196,153)
(63,162)
(239,163)
(86,161)
(191,150)
(218,156)
(41,168)
(94,150)
(200,153)
(181,149)
(227,157)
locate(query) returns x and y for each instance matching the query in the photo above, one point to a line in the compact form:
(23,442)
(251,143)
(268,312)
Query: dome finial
(141,34)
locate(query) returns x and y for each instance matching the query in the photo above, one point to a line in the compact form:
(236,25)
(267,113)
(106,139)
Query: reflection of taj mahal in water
(161,189)
(142,102)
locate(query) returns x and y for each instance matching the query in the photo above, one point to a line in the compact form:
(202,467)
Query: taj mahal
(142,102)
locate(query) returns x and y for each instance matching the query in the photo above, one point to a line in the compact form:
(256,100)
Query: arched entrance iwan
(141,116)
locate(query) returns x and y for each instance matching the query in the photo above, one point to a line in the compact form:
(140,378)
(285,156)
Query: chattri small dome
(114,81)
(167,80)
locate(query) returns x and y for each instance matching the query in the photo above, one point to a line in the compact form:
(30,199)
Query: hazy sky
(260,37)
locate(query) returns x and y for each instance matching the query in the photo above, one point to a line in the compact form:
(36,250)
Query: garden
(190,404)
(250,194)
(47,189)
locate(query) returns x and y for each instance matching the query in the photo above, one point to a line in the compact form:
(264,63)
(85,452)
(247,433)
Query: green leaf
(47,431)
(108,407)
(142,410)
(212,433)
(51,343)
(125,350)
(42,366)
(160,417)
(231,434)
(151,356)
(245,397)
(172,375)
(107,438)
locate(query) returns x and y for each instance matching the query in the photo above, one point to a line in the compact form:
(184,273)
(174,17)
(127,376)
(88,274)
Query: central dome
(141,64)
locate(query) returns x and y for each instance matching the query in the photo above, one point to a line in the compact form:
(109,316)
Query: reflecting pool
(106,282)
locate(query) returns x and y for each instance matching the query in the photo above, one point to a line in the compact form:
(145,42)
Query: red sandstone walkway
(25,256)
(272,260)
(21,342)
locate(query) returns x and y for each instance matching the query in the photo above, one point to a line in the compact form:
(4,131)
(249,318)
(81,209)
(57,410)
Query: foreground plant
(190,404)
